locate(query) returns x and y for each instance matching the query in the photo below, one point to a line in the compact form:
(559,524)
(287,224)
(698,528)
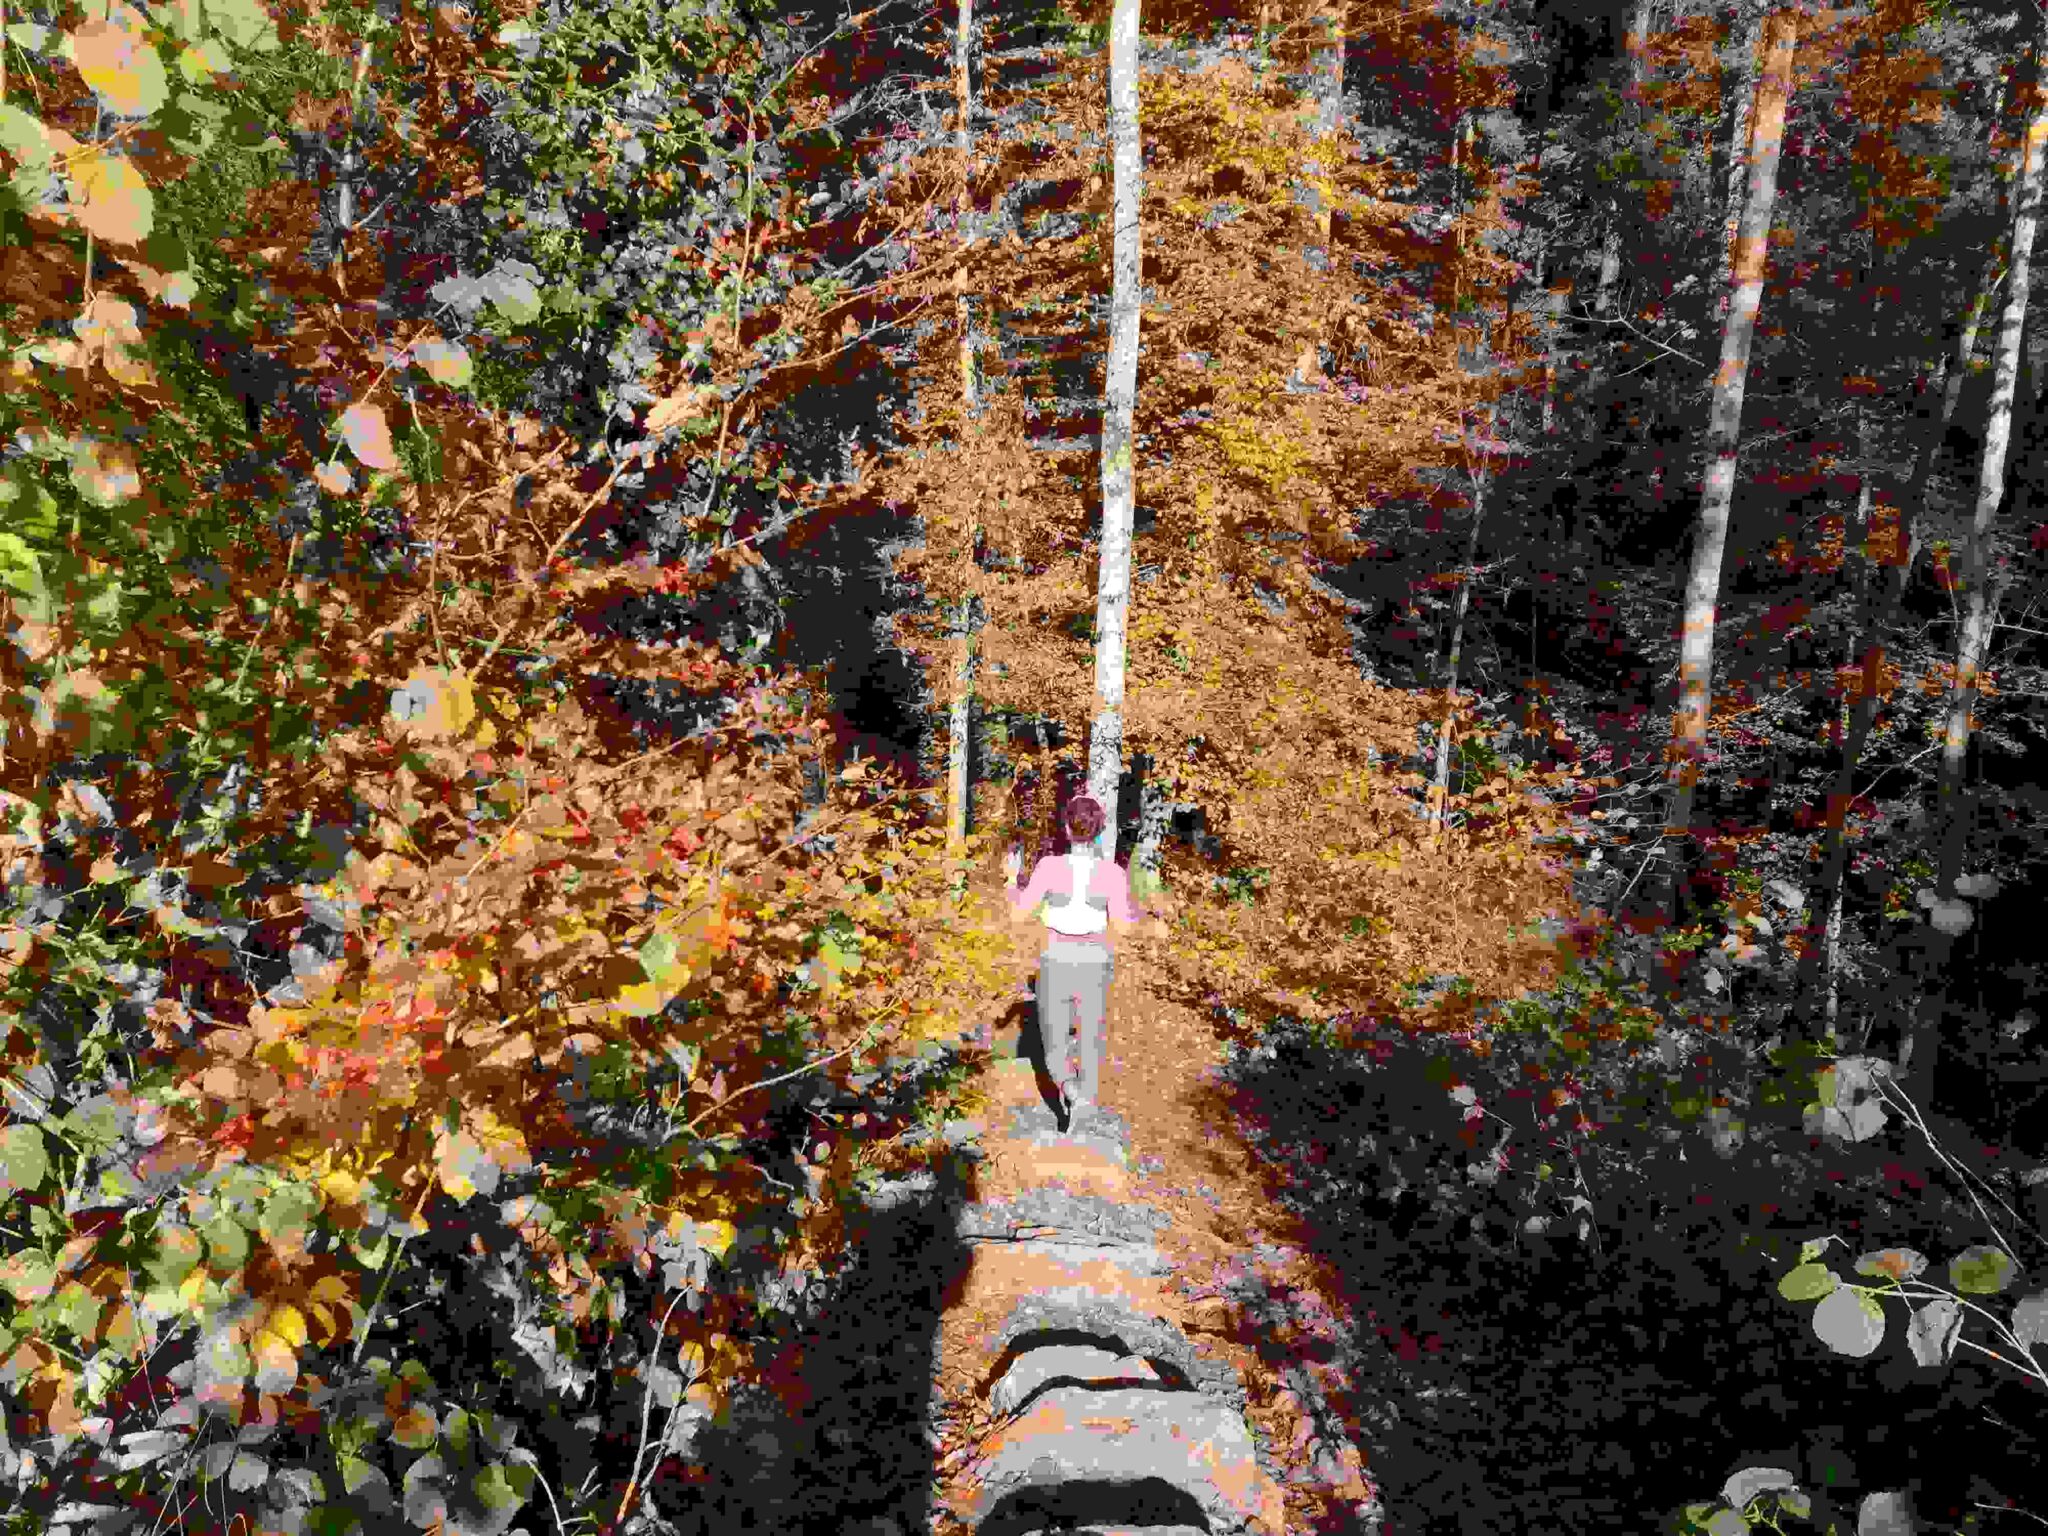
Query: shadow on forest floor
(1509,1382)
(839,1445)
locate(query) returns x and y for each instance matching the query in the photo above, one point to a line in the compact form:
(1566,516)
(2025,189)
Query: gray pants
(1074,979)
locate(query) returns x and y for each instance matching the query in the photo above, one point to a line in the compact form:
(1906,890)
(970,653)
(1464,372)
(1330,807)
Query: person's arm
(1125,912)
(1023,899)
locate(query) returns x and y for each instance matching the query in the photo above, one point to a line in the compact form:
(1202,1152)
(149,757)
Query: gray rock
(1082,1363)
(1112,1325)
(1077,1434)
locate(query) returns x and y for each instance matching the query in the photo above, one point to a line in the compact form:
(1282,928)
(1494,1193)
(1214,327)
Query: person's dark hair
(1085,818)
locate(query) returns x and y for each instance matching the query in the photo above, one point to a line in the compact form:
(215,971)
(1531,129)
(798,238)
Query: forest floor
(1184,1158)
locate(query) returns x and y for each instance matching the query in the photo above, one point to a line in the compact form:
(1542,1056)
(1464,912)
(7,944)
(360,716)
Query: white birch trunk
(1724,434)
(1327,67)
(1978,598)
(1749,33)
(960,724)
(1921,1050)
(1634,45)
(1120,390)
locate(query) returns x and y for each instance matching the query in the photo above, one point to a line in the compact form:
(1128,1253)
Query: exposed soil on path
(1183,1156)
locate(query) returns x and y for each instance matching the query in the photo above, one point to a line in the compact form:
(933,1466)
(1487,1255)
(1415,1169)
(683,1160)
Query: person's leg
(1092,1027)
(1055,991)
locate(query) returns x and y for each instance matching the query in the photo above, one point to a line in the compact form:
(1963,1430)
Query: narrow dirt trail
(1110,1245)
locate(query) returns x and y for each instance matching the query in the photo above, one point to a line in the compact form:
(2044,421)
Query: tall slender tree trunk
(1819,989)
(1636,45)
(1955,371)
(1923,1044)
(1327,68)
(1749,23)
(1442,794)
(1120,391)
(345,206)
(958,789)
(1865,651)
(1724,435)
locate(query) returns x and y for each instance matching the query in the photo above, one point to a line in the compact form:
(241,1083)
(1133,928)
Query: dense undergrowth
(470,1018)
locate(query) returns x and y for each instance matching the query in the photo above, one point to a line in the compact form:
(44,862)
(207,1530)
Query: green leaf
(227,1245)
(445,362)
(28,1276)
(22,136)
(245,23)
(24,1159)
(97,1123)
(456,1431)
(1849,1322)
(202,61)
(75,1308)
(494,1491)
(1809,1282)
(287,1214)
(1980,1271)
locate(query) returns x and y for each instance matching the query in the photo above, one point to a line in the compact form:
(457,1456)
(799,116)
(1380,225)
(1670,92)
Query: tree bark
(1819,992)
(1635,45)
(1956,370)
(1442,794)
(1922,1048)
(1749,30)
(1120,388)
(1327,67)
(1817,989)
(958,789)
(1724,434)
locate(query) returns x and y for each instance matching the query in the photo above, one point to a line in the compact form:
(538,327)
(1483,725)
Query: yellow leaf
(287,1323)
(276,1362)
(124,1332)
(105,474)
(435,704)
(116,204)
(716,1237)
(342,1187)
(118,62)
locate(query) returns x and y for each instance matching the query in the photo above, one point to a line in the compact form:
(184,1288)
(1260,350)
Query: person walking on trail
(1088,899)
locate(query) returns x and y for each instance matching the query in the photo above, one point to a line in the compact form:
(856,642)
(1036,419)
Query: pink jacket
(1108,883)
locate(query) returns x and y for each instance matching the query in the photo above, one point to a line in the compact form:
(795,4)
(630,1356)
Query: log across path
(1102,1363)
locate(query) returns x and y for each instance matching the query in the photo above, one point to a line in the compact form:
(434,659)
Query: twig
(646,1406)
(2009,1509)
(1886,1089)
(1630,326)
(769,1082)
